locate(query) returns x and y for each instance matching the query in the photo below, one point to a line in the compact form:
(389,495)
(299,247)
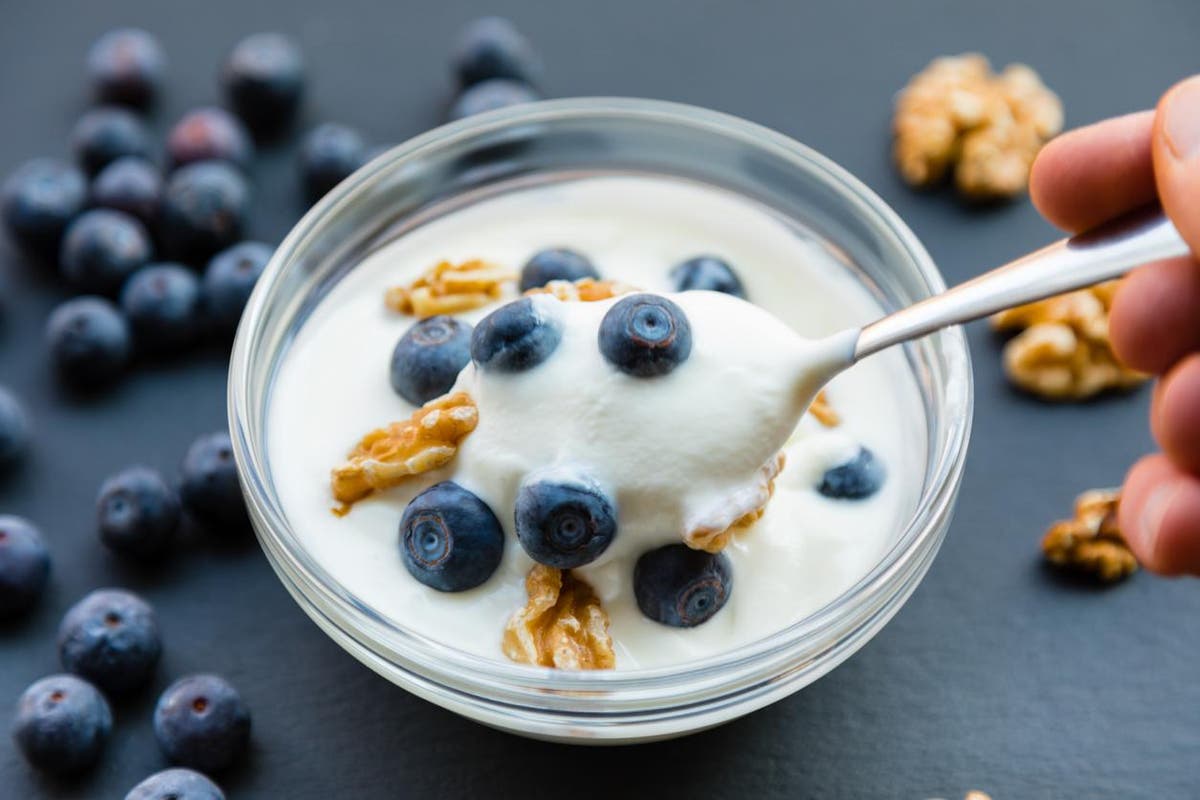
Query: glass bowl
(458,164)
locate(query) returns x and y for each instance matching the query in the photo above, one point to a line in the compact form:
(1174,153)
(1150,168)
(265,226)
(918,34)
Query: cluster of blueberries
(109,642)
(451,540)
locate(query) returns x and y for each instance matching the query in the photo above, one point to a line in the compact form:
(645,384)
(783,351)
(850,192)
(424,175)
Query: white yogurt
(669,449)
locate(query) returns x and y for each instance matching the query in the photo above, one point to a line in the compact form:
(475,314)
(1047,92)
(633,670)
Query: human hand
(1090,175)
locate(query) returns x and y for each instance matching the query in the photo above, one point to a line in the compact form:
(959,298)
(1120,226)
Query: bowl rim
(942,478)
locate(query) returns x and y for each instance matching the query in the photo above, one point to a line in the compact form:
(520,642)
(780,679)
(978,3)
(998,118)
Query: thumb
(1176,148)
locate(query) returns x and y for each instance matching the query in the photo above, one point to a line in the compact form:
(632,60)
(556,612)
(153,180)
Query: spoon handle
(1105,252)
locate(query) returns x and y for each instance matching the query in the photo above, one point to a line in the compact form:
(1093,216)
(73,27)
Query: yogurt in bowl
(672,451)
(801,532)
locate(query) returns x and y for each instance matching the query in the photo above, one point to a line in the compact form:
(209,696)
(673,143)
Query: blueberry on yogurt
(515,337)
(856,479)
(681,587)
(428,358)
(449,539)
(707,273)
(645,335)
(564,524)
(555,264)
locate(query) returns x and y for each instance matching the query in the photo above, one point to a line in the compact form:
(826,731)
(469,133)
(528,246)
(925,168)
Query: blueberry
(858,478)
(62,724)
(210,489)
(449,539)
(263,78)
(176,783)
(14,429)
(105,134)
(24,566)
(204,210)
(681,587)
(126,66)
(328,154)
(162,304)
(428,358)
(228,281)
(707,273)
(89,341)
(111,638)
(489,96)
(132,185)
(137,513)
(202,722)
(40,199)
(645,335)
(101,249)
(209,134)
(492,47)
(564,524)
(515,337)
(555,264)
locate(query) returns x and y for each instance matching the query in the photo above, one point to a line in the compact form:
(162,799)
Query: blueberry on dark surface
(24,566)
(162,304)
(449,539)
(105,134)
(858,478)
(228,281)
(645,335)
(209,134)
(62,724)
(489,96)
(492,47)
(328,154)
(707,273)
(555,264)
(210,490)
(102,248)
(89,341)
(263,78)
(202,722)
(111,638)
(681,587)
(515,337)
(132,185)
(14,429)
(428,358)
(126,66)
(204,210)
(137,513)
(40,199)
(177,783)
(564,524)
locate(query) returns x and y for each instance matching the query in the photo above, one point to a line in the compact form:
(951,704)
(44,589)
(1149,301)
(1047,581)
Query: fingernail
(1181,119)
(1151,518)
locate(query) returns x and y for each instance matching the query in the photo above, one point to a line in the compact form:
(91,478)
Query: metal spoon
(1105,252)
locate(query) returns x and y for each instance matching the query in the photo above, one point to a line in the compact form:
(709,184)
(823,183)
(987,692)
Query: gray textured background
(997,675)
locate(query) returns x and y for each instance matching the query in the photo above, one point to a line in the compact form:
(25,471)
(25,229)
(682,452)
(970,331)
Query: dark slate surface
(996,675)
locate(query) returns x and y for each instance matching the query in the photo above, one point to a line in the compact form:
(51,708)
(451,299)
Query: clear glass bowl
(458,164)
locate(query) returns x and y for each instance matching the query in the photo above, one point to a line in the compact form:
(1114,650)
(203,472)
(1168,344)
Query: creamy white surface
(333,386)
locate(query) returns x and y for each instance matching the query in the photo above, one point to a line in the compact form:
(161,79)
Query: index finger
(1094,173)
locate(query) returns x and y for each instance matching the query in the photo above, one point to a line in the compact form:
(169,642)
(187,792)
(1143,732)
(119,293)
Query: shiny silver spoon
(1105,252)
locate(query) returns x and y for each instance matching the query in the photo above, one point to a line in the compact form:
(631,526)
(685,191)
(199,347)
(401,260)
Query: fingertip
(1159,515)
(1173,414)
(1152,319)
(1094,173)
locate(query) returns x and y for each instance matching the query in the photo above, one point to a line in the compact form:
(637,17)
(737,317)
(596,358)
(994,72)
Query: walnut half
(1092,541)
(423,442)
(562,625)
(449,288)
(1063,351)
(744,509)
(584,290)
